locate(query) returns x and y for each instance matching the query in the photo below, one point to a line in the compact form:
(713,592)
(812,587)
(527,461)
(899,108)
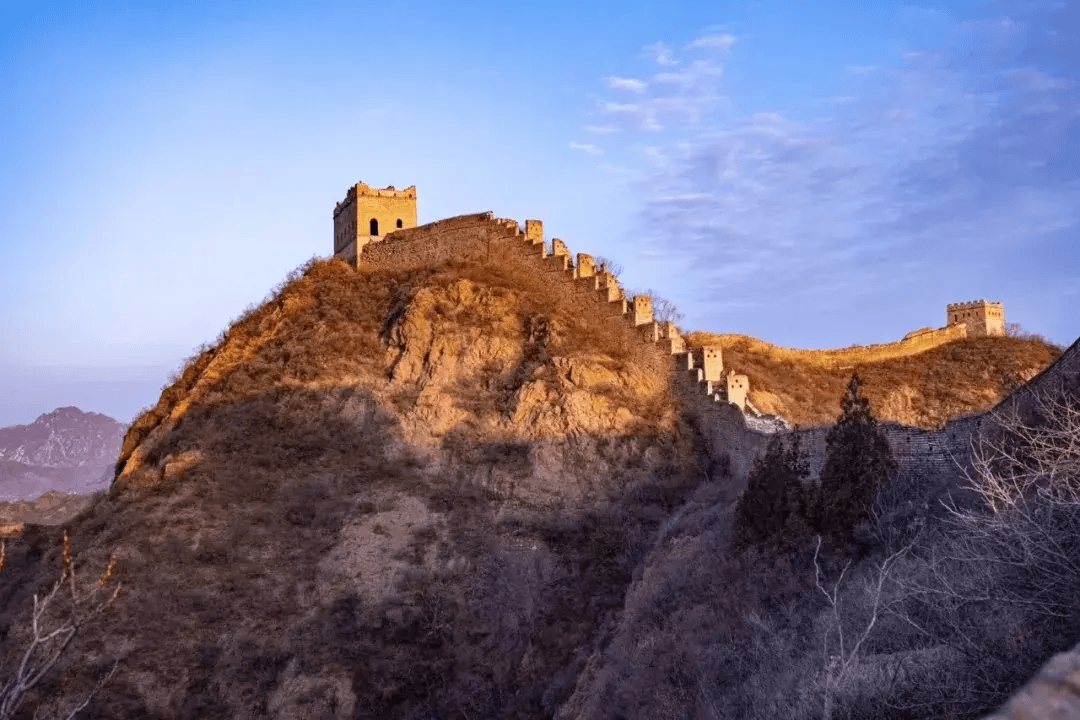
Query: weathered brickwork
(982,317)
(367,214)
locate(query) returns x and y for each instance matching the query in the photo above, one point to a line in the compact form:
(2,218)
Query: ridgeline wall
(936,456)
(484,238)
(914,344)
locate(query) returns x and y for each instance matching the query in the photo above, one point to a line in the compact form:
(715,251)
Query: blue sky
(813,173)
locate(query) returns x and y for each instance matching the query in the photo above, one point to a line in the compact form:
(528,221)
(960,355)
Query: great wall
(715,401)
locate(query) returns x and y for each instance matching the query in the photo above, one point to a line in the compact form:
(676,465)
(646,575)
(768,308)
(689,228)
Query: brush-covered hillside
(923,390)
(460,492)
(376,495)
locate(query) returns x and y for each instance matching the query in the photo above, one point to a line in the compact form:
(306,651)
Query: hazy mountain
(66,450)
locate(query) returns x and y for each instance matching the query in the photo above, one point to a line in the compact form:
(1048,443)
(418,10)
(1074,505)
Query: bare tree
(840,657)
(1015,459)
(608,266)
(998,582)
(663,309)
(47,645)
(1014,330)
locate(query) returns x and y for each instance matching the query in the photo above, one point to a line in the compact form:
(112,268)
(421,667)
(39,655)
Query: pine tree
(858,459)
(772,509)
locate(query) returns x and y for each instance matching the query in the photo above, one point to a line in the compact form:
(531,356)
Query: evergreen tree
(858,459)
(772,509)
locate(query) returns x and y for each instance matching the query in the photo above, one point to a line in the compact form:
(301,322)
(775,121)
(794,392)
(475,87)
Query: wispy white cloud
(629,84)
(587,148)
(718,41)
(931,173)
(671,98)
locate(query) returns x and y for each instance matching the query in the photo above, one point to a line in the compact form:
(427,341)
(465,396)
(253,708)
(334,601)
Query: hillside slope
(376,493)
(924,390)
(444,491)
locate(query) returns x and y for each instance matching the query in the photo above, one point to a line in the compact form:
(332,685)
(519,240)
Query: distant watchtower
(368,214)
(982,317)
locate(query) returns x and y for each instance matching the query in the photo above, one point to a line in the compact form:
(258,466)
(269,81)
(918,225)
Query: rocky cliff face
(67,450)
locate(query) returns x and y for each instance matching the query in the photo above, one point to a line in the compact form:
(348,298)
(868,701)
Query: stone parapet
(701,388)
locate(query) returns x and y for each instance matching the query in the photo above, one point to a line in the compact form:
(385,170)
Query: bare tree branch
(83,609)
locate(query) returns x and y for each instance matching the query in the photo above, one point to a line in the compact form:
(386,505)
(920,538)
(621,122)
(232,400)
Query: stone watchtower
(368,214)
(982,317)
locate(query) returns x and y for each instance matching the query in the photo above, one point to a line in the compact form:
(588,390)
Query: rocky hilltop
(66,450)
(442,490)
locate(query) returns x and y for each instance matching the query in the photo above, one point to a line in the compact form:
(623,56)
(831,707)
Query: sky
(812,173)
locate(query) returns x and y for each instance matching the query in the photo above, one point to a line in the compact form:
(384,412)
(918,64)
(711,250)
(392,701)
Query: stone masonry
(982,317)
(368,215)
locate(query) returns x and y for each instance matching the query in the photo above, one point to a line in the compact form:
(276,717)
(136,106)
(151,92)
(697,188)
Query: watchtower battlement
(368,214)
(982,317)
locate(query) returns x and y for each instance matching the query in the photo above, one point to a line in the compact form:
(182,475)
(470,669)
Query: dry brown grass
(327,325)
(960,378)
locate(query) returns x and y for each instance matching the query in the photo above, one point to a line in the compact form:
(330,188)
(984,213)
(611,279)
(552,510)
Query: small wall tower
(368,214)
(712,361)
(982,317)
(735,388)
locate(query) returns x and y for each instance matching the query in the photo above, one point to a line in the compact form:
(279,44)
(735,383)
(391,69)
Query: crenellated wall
(935,456)
(701,388)
(485,238)
(920,341)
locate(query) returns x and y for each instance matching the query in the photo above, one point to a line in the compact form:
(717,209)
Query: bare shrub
(1014,330)
(608,266)
(842,656)
(47,645)
(998,582)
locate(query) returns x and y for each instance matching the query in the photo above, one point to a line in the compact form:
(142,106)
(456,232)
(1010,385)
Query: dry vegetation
(924,390)
(288,552)
(342,508)
(924,619)
(329,325)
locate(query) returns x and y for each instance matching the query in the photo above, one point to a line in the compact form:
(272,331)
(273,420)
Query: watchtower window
(374,227)
(399,222)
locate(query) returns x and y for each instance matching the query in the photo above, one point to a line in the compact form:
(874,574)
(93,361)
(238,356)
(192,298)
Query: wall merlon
(534,231)
(650,332)
(617,307)
(558,247)
(609,292)
(673,345)
(642,309)
(586,265)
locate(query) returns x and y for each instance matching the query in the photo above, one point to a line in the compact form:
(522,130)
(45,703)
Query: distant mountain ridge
(67,450)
